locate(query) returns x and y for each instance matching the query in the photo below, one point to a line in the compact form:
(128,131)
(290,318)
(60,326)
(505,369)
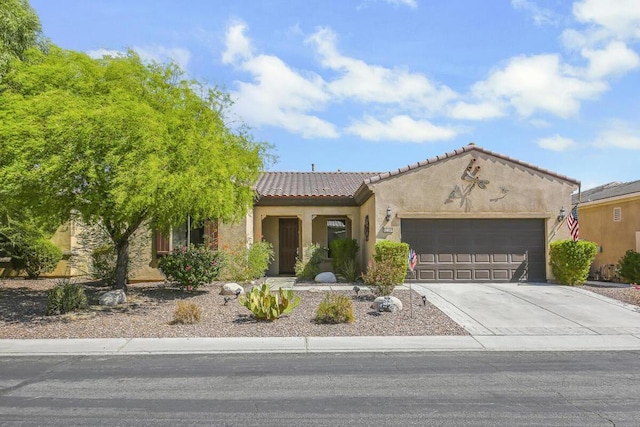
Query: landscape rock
(112,298)
(387,303)
(326,277)
(231,289)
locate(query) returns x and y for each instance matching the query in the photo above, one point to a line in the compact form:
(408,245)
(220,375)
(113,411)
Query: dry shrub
(335,308)
(187,313)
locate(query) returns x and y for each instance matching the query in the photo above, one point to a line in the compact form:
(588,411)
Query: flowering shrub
(191,266)
(243,264)
(381,277)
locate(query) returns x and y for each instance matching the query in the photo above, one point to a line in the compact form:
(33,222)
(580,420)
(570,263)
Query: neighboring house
(609,215)
(471,215)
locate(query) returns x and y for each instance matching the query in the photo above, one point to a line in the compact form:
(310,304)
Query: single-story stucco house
(609,215)
(471,215)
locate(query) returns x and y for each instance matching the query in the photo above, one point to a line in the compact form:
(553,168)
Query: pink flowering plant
(191,266)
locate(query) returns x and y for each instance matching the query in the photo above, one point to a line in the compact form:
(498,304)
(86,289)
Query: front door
(288,250)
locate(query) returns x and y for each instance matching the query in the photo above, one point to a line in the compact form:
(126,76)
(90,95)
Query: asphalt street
(435,388)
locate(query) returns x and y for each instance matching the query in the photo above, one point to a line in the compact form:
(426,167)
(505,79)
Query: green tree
(20,30)
(120,144)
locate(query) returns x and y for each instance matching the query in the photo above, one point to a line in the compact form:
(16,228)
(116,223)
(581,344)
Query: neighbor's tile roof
(607,191)
(310,184)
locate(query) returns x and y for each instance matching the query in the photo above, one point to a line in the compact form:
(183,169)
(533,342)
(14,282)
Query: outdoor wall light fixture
(388,215)
(561,214)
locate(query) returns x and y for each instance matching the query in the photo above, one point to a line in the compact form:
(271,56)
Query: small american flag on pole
(572,222)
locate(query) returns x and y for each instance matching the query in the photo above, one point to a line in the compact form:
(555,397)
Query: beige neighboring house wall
(614,233)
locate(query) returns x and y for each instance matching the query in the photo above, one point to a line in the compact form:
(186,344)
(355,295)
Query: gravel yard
(150,306)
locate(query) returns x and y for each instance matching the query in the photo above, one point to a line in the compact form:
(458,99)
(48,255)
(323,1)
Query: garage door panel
(477,249)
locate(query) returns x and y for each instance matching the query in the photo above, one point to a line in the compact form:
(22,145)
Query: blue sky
(374,85)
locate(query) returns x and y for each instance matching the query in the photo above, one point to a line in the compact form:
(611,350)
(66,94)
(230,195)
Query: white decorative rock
(112,298)
(388,303)
(326,277)
(231,289)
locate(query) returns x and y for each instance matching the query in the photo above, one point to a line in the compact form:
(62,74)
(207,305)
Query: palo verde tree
(20,30)
(120,143)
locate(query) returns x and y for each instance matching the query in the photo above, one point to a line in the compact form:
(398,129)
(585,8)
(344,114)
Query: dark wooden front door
(288,250)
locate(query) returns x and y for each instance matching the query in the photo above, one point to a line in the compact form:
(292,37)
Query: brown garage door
(477,250)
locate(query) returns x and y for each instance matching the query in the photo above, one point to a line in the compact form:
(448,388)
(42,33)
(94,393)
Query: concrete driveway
(509,309)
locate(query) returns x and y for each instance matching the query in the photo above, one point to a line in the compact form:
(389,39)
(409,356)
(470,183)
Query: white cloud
(278,95)
(620,18)
(619,134)
(400,128)
(164,54)
(556,143)
(540,15)
(539,83)
(615,59)
(372,83)
(480,111)
(238,46)
(411,3)
(99,53)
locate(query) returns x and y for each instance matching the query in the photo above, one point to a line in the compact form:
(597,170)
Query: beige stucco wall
(614,238)
(513,191)
(312,224)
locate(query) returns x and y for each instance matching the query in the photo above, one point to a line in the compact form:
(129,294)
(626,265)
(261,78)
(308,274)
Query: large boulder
(326,277)
(387,303)
(232,289)
(112,298)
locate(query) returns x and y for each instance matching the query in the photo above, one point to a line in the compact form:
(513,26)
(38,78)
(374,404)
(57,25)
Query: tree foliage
(120,143)
(20,30)
(629,266)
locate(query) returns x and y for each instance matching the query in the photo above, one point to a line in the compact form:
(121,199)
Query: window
(336,229)
(180,236)
(617,214)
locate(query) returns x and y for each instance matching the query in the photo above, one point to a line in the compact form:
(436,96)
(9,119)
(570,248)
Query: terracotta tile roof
(467,148)
(607,191)
(310,184)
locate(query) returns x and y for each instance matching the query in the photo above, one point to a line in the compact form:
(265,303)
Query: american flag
(413,259)
(572,222)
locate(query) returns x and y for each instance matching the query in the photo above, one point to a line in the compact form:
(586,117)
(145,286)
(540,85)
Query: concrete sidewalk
(499,317)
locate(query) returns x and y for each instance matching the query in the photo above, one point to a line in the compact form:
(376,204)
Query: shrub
(309,266)
(350,271)
(397,255)
(335,308)
(570,261)
(36,257)
(267,306)
(343,255)
(380,277)
(187,313)
(103,264)
(65,297)
(243,264)
(191,266)
(629,266)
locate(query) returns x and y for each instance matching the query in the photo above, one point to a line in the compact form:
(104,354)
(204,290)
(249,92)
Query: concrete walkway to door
(528,309)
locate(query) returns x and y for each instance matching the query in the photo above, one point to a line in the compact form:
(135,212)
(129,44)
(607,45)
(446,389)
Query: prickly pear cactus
(266,306)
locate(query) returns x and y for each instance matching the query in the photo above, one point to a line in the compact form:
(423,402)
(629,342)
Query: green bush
(343,256)
(64,298)
(267,306)
(191,266)
(35,257)
(350,271)
(309,266)
(629,266)
(335,308)
(243,264)
(396,254)
(103,264)
(570,261)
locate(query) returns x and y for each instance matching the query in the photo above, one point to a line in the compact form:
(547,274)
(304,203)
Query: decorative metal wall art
(470,180)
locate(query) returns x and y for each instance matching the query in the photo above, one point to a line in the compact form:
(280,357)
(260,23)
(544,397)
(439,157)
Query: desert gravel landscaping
(150,306)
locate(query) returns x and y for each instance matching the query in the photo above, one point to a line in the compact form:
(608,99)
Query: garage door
(477,250)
